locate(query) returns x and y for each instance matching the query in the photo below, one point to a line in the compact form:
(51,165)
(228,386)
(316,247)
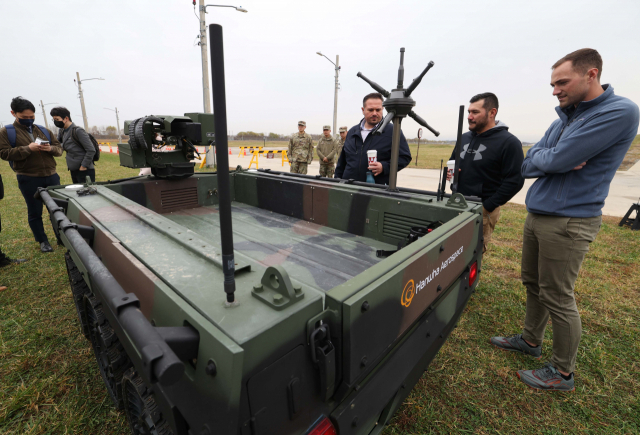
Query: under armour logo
(477,153)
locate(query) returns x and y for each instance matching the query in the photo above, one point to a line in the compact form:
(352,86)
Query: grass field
(50,384)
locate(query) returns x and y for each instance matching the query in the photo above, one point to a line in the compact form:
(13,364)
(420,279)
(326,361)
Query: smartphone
(42,141)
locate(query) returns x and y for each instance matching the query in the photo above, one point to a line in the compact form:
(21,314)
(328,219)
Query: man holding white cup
(356,162)
(490,161)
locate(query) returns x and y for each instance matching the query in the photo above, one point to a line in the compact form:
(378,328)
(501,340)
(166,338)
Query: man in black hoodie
(490,161)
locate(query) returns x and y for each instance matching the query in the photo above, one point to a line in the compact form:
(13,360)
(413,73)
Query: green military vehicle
(260,302)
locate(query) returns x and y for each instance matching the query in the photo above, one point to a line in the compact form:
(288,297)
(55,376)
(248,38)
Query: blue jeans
(29,186)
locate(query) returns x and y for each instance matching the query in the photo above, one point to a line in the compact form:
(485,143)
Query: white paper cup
(451,166)
(372,155)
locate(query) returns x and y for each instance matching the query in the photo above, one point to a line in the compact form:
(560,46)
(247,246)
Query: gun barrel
(414,84)
(374,85)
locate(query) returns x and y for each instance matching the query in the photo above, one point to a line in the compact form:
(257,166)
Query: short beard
(479,126)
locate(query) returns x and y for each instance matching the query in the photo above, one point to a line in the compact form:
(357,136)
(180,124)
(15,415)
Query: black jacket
(353,162)
(490,164)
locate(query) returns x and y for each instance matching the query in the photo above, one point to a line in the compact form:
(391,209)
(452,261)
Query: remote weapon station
(261,302)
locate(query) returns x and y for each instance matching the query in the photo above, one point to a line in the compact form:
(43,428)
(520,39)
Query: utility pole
(44,115)
(205,60)
(335,97)
(117,123)
(206,99)
(84,112)
(337,85)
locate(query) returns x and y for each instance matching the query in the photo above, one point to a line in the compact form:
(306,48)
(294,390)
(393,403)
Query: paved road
(624,191)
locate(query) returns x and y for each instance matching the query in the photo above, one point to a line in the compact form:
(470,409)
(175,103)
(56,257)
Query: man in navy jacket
(574,164)
(353,162)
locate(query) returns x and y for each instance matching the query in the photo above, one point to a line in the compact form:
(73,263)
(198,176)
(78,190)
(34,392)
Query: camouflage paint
(324,235)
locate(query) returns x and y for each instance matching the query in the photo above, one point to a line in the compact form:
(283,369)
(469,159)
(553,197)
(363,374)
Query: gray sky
(145,52)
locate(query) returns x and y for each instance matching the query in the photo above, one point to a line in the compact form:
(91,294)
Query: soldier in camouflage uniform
(327,152)
(300,150)
(343,136)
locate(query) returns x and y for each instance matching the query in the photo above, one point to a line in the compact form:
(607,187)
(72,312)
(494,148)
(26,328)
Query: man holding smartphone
(30,150)
(75,141)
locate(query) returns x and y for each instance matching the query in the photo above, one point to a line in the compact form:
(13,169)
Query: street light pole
(117,123)
(335,97)
(337,86)
(84,112)
(205,60)
(202,8)
(44,115)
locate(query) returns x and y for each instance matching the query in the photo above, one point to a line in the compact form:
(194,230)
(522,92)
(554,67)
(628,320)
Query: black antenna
(456,169)
(439,181)
(222,150)
(401,69)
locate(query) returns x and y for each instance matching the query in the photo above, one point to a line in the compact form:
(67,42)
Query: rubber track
(79,289)
(112,359)
(145,409)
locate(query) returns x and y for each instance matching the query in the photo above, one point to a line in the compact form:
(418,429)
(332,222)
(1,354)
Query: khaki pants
(489,221)
(298,167)
(553,248)
(327,170)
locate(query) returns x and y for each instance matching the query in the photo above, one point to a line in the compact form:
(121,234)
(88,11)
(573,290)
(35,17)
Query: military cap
(302,123)
(344,129)
(326,127)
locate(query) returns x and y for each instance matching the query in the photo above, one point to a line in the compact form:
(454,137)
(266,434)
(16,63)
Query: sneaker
(6,261)
(46,247)
(547,378)
(515,343)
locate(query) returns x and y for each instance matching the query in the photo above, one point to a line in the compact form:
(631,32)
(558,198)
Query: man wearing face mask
(75,141)
(30,150)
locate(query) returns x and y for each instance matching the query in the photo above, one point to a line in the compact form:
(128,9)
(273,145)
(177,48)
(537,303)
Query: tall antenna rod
(222,149)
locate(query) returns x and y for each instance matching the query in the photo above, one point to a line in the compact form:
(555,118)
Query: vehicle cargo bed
(326,257)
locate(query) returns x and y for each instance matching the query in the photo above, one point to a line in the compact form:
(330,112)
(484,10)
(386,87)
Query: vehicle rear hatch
(393,294)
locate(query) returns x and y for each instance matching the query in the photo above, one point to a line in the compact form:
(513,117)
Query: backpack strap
(45,132)
(11,132)
(74,135)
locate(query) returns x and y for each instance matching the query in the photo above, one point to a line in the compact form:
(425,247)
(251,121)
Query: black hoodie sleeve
(512,180)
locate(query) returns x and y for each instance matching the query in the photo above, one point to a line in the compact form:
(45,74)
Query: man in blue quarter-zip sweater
(574,164)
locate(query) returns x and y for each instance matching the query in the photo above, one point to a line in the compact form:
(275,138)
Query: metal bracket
(123,301)
(276,290)
(457,200)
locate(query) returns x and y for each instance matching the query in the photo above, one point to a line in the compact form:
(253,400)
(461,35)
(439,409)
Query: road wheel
(110,355)
(79,289)
(143,414)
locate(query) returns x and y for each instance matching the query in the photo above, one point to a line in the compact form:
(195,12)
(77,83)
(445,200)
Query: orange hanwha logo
(408,293)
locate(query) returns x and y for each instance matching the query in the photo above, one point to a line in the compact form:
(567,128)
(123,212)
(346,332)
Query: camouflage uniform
(339,148)
(327,147)
(300,152)
(340,142)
